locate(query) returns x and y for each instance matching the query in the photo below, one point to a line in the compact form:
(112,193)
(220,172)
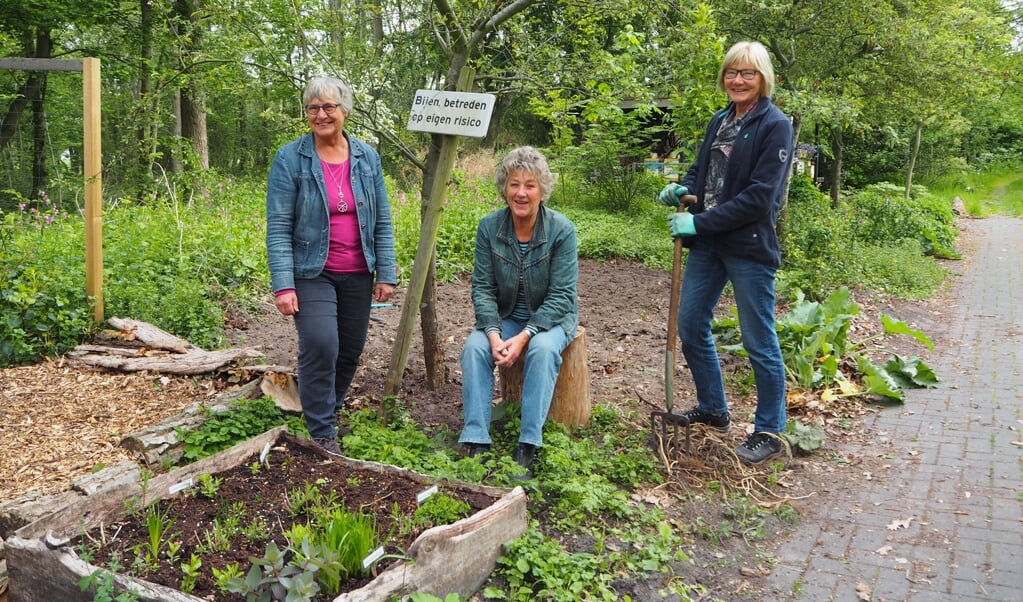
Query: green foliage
(223,577)
(104,586)
(803,437)
(440,509)
(171,263)
(245,419)
(998,189)
(273,577)
(815,246)
(900,269)
(158,525)
(606,171)
(43,310)
(467,203)
(881,215)
(43,307)
(325,550)
(641,235)
(877,239)
(538,567)
(190,573)
(424,597)
(208,485)
(816,349)
(349,535)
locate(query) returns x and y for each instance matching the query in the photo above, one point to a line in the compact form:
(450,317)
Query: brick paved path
(945,519)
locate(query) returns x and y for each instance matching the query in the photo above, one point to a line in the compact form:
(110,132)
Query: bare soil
(66,421)
(264,496)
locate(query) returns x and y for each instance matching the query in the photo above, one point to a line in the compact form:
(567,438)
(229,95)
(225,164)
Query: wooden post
(571,403)
(93,187)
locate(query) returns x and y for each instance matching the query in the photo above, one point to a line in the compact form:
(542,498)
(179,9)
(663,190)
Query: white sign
(456,113)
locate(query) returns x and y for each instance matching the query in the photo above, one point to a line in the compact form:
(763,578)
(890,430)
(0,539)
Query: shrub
(44,311)
(815,247)
(881,215)
(43,306)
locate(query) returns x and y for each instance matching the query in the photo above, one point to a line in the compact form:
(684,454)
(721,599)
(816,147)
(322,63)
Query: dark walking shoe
(329,445)
(719,422)
(525,456)
(759,447)
(477,450)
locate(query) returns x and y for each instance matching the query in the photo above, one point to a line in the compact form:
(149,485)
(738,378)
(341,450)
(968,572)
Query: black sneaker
(525,456)
(759,447)
(477,450)
(329,445)
(719,422)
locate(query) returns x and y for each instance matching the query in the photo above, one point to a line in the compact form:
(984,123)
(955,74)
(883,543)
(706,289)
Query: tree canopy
(877,90)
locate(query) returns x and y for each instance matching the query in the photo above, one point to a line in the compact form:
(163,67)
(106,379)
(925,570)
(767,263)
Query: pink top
(344,255)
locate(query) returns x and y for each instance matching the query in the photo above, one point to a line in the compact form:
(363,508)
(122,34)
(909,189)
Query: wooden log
(137,330)
(571,402)
(191,363)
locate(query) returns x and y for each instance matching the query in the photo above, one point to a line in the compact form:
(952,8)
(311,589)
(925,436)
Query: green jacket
(549,270)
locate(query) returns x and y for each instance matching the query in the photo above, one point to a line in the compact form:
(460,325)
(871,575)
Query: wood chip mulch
(59,422)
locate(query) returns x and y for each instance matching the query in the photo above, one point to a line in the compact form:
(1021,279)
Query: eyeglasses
(747,74)
(315,109)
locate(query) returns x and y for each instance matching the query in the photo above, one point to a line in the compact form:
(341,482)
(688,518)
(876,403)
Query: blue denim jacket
(550,271)
(297,216)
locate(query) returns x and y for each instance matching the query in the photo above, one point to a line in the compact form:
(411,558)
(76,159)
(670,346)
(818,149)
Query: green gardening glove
(671,195)
(681,224)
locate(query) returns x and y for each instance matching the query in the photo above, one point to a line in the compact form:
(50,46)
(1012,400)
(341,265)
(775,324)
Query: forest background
(196,96)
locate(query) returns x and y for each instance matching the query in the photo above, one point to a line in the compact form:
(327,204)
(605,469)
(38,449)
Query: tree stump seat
(571,402)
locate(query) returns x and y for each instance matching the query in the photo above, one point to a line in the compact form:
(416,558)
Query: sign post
(447,115)
(453,113)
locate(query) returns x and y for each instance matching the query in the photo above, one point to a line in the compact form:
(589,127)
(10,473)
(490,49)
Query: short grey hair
(528,159)
(329,88)
(750,53)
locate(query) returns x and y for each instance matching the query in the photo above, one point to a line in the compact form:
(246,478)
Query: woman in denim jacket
(524,297)
(330,248)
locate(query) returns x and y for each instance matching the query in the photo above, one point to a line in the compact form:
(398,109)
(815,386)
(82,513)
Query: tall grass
(997,191)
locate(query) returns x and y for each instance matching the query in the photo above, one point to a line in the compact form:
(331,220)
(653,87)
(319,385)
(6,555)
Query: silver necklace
(342,206)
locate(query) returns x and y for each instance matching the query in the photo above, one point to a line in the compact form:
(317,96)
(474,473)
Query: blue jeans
(332,323)
(539,375)
(706,274)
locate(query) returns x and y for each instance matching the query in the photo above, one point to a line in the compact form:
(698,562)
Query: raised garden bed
(224,510)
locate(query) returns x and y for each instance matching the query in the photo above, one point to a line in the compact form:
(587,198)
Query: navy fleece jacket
(742,223)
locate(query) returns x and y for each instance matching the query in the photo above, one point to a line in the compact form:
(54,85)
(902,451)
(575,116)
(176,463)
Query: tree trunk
(337,13)
(177,132)
(501,105)
(39,177)
(193,122)
(433,346)
(9,123)
(914,153)
(39,140)
(193,92)
(147,131)
(444,148)
(837,146)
